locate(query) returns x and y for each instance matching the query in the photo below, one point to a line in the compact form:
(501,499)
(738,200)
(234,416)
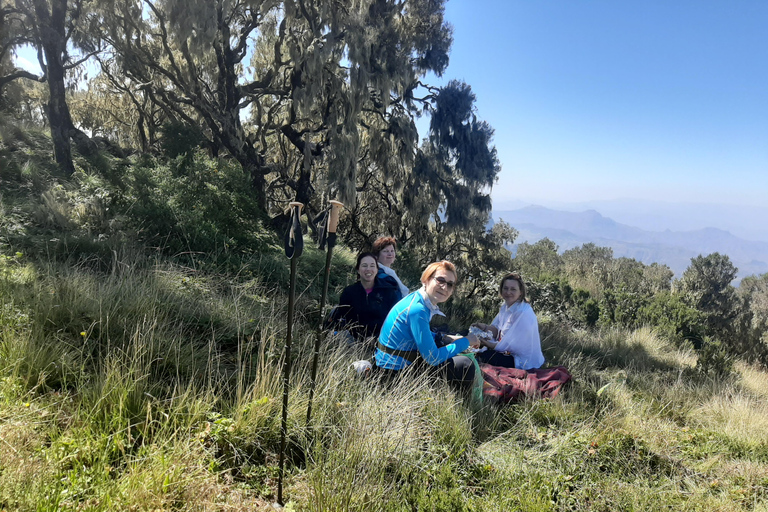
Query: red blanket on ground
(510,384)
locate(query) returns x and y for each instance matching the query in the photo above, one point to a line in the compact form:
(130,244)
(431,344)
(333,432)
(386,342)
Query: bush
(552,295)
(621,307)
(180,139)
(195,204)
(585,310)
(714,359)
(674,319)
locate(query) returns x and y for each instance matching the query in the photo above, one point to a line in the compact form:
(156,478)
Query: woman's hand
(473,341)
(488,327)
(452,337)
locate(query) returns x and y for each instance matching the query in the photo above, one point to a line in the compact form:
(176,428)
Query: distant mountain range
(673,248)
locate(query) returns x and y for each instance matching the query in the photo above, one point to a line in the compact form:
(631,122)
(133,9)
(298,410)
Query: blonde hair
(429,272)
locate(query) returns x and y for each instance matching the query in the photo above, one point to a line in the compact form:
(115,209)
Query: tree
(441,188)
(752,321)
(706,286)
(538,260)
(13,34)
(50,26)
(657,278)
(325,79)
(588,267)
(111,110)
(674,318)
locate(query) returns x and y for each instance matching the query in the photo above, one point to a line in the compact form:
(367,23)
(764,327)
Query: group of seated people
(379,310)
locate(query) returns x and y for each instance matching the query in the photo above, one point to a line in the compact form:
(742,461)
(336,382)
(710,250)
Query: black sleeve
(387,281)
(391,297)
(340,313)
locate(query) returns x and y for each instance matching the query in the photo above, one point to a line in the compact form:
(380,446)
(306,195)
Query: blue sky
(604,100)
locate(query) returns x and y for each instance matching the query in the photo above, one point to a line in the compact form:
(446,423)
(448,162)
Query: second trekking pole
(331,221)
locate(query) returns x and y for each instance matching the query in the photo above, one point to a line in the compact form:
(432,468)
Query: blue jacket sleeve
(425,342)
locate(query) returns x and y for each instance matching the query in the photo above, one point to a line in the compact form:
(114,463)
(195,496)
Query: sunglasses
(442,281)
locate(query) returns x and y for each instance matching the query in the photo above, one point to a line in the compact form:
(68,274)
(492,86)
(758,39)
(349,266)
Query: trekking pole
(331,221)
(294,245)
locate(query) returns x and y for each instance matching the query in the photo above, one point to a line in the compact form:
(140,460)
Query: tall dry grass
(158,386)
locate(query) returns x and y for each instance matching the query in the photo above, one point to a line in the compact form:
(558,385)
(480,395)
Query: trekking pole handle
(334,220)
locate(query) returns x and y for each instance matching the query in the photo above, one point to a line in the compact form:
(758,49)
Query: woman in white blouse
(516,342)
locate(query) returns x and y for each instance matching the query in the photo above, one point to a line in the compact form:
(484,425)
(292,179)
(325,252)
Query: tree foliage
(588,266)
(751,336)
(297,92)
(538,260)
(706,286)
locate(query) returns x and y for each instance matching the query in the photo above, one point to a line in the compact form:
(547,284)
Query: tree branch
(20,73)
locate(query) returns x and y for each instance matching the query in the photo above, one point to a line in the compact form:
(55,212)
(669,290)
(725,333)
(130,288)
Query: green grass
(133,377)
(172,400)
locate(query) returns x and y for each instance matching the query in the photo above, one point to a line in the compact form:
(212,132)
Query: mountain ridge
(670,247)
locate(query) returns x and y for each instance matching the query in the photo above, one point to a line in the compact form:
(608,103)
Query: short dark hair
(382,243)
(514,276)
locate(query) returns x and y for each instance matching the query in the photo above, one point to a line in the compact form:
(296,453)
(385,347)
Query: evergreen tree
(538,260)
(706,286)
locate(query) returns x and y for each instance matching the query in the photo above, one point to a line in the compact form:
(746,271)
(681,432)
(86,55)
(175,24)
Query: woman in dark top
(364,305)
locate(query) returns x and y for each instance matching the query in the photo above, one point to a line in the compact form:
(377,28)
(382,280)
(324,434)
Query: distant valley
(673,248)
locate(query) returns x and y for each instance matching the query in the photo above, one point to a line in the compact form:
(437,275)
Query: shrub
(208,207)
(714,359)
(621,307)
(674,318)
(180,139)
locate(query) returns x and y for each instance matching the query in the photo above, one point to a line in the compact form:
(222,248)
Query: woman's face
(367,271)
(387,256)
(440,286)
(510,291)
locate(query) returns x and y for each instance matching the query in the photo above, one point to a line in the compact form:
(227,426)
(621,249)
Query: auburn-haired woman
(385,249)
(406,338)
(516,342)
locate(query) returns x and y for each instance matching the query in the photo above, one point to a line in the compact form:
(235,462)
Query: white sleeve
(522,340)
(496,323)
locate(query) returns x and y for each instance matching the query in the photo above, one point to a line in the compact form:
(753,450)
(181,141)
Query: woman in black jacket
(364,305)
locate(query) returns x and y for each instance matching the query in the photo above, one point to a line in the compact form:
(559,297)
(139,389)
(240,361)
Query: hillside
(143,321)
(673,248)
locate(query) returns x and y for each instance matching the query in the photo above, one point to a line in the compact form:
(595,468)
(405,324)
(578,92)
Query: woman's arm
(490,344)
(342,313)
(419,324)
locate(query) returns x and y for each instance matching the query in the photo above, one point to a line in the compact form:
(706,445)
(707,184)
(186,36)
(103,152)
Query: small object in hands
(481,334)
(362,367)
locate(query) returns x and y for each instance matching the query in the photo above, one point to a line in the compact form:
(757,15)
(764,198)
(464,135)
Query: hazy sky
(606,99)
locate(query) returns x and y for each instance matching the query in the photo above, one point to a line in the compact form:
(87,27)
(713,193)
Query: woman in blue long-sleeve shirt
(405,336)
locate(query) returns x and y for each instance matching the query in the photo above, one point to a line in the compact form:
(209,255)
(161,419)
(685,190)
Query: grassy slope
(135,381)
